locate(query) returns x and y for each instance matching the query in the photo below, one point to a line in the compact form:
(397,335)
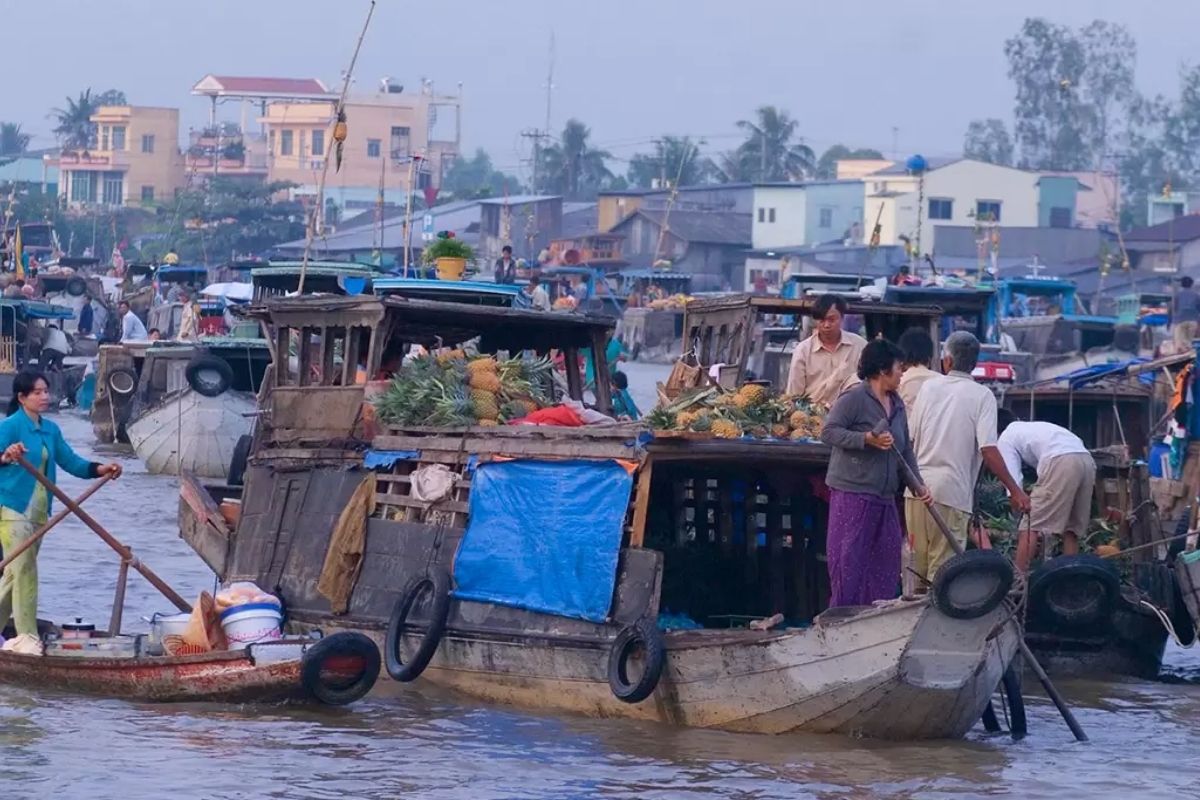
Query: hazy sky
(631,69)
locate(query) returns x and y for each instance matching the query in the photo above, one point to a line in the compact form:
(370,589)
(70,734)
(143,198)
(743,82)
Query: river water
(415,742)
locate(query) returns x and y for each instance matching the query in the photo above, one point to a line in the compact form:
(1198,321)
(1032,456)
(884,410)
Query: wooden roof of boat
(426,320)
(804,305)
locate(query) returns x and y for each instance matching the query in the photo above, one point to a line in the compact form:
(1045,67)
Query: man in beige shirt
(189,322)
(826,363)
(917,346)
(954,433)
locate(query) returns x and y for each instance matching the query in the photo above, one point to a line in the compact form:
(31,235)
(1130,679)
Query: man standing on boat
(1185,315)
(506,267)
(132,329)
(954,432)
(189,320)
(826,363)
(917,346)
(1066,476)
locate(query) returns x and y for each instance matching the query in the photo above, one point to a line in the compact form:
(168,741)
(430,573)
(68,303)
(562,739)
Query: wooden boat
(336,669)
(900,669)
(190,432)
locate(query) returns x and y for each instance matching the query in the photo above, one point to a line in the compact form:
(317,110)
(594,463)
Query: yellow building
(134,161)
(385,131)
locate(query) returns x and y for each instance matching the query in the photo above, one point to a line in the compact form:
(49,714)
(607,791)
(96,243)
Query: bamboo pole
(50,523)
(123,551)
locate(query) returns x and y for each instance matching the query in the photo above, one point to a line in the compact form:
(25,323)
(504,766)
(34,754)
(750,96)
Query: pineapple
(780,431)
(799,419)
(482,379)
(486,406)
(725,429)
(750,396)
(702,424)
(798,434)
(485,364)
(488,423)
(684,419)
(660,419)
(514,409)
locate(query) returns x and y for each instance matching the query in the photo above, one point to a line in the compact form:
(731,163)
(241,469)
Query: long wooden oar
(123,551)
(50,523)
(1042,677)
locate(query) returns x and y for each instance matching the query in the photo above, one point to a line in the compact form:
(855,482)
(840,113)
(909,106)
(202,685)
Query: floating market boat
(335,670)
(534,565)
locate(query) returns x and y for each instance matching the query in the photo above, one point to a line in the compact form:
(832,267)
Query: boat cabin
(483,293)
(598,296)
(1044,317)
(743,332)
(22,331)
(279,278)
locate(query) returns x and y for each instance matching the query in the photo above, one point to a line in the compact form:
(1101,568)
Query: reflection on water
(405,743)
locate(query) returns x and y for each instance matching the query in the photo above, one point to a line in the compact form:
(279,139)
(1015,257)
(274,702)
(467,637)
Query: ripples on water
(404,743)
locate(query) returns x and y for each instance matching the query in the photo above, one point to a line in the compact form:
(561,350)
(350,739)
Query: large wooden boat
(726,531)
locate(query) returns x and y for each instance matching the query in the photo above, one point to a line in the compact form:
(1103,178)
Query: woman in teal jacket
(25,503)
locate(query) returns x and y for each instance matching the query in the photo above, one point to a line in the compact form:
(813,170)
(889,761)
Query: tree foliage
(827,164)
(475,177)
(988,140)
(75,129)
(571,166)
(676,160)
(13,141)
(770,151)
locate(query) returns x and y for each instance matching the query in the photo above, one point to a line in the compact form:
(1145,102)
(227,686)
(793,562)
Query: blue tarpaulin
(376,459)
(544,536)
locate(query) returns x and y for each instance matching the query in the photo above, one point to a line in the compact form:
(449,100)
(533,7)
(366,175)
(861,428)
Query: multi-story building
(134,160)
(392,136)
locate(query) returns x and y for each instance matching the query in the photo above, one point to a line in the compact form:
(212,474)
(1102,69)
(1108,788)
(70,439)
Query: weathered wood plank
(641,505)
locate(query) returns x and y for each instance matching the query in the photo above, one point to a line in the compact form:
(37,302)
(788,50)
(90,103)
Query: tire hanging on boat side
(644,634)
(209,375)
(341,645)
(436,582)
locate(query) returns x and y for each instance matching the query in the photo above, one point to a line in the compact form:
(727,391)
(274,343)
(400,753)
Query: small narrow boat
(333,670)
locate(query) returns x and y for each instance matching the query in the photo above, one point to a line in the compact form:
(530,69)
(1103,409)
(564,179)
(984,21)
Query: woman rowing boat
(25,503)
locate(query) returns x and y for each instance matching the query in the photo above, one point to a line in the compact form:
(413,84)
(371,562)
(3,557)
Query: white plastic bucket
(251,623)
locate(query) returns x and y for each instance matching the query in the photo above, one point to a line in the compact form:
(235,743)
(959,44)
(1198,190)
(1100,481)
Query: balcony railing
(94,159)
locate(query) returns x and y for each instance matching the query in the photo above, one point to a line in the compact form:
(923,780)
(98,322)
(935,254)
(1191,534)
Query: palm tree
(75,129)
(675,160)
(571,166)
(769,152)
(12,141)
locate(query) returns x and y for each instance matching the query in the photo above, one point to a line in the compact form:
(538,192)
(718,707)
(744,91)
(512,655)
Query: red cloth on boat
(562,416)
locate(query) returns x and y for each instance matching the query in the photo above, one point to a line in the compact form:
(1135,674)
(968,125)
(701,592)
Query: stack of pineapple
(453,389)
(750,411)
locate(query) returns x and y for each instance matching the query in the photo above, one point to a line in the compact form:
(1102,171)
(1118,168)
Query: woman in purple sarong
(868,431)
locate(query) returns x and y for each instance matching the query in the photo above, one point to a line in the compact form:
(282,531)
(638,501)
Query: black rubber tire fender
(644,634)
(118,386)
(972,564)
(436,581)
(1018,725)
(76,286)
(202,364)
(1057,587)
(237,462)
(344,644)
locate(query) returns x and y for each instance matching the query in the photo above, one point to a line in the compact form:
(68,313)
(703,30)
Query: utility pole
(895,142)
(536,136)
(379,205)
(549,86)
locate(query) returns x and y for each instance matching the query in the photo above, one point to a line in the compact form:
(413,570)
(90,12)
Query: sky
(632,70)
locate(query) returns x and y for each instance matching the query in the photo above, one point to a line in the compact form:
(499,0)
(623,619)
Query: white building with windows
(962,192)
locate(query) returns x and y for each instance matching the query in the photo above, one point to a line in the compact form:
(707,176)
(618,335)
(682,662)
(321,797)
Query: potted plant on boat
(450,256)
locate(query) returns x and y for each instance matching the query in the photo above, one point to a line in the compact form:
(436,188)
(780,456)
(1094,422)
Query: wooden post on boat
(11,556)
(911,479)
(118,609)
(123,551)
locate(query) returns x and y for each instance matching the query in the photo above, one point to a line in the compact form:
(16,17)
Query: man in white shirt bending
(954,433)
(1066,475)
(132,329)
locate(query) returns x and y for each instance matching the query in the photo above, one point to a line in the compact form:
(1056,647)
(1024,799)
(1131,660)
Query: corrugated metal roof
(1180,229)
(702,227)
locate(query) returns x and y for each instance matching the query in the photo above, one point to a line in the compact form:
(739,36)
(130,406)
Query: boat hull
(193,431)
(226,677)
(899,671)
